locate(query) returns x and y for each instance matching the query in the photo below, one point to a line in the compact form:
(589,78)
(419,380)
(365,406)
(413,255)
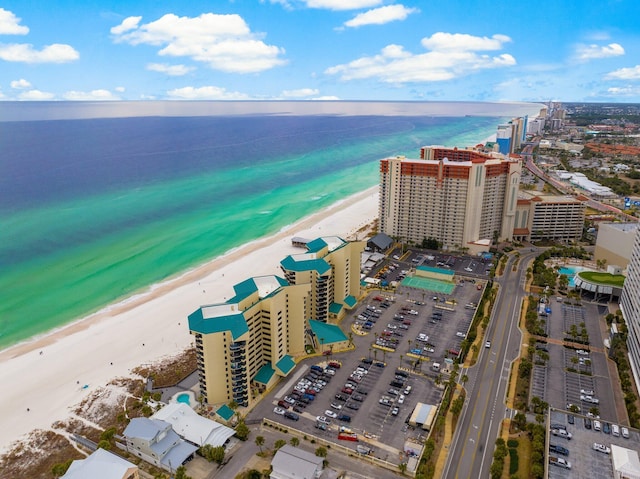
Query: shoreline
(140,297)
(45,378)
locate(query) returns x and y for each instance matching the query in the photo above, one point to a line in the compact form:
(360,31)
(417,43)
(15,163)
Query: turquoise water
(571,271)
(183,398)
(72,255)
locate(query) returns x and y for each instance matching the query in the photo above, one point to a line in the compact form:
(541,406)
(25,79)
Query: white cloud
(129,23)
(206,93)
(585,53)
(224,42)
(326,98)
(624,91)
(632,73)
(25,53)
(21,84)
(451,56)
(36,95)
(171,70)
(119,89)
(300,93)
(380,16)
(93,95)
(442,41)
(10,24)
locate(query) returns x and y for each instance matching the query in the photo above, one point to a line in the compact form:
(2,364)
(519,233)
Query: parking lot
(574,378)
(585,461)
(375,388)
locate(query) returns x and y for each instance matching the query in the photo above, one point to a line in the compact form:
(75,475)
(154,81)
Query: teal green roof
(246,288)
(225,412)
(286,364)
(264,374)
(319,265)
(350,301)
(316,245)
(436,270)
(335,308)
(330,333)
(234,323)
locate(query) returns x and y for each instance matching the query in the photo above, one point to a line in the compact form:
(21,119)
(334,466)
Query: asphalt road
(471,451)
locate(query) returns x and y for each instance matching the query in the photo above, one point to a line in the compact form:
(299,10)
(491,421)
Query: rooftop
(330,333)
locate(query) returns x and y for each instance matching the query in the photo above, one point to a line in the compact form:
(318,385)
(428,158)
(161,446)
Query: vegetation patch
(616,280)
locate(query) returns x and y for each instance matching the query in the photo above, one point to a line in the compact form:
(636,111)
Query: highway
(471,450)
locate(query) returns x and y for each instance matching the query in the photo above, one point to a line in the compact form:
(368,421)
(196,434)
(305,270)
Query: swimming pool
(184,398)
(571,271)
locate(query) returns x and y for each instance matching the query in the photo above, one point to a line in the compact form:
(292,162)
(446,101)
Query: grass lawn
(603,278)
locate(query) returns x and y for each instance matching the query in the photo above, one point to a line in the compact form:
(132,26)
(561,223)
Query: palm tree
(260,442)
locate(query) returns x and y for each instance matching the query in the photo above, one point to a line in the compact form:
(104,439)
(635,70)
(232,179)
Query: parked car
(558,449)
(279,410)
(330,413)
(291,415)
(344,418)
(601,448)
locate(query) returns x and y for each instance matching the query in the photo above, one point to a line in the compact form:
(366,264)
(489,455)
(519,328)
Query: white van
(597,426)
(615,430)
(625,432)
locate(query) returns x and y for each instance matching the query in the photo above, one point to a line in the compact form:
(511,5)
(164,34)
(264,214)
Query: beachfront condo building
(246,343)
(463,198)
(630,307)
(548,217)
(331,266)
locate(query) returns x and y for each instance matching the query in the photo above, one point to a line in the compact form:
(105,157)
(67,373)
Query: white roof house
(293,463)
(625,463)
(192,427)
(102,465)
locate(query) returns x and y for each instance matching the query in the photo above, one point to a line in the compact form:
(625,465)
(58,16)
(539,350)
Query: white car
(461,334)
(401,399)
(330,413)
(279,410)
(601,448)
(561,433)
(588,392)
(322,420)
(590,399)
(337,406)
(395,411)
(487,344)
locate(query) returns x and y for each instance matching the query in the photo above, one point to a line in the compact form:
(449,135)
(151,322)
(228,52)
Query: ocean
(93,210)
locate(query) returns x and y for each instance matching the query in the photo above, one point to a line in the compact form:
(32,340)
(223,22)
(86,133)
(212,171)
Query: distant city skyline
(320,50)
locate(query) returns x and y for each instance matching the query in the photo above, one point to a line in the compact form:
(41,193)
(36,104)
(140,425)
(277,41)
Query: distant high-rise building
(463,198)
(630,307)
(548,217)
(504,136)
(331,266)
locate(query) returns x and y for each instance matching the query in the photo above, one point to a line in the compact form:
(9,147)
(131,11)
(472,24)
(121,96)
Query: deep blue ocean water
(93,210)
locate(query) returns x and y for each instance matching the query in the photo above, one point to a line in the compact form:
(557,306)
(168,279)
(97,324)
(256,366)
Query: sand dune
(44,379)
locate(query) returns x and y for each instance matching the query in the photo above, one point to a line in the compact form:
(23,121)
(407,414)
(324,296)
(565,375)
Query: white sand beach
(44,379)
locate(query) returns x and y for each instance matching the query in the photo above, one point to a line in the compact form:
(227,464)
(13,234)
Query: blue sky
(320,49)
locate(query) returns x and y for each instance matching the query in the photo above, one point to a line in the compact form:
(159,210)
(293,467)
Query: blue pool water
(184,398)
(571,271)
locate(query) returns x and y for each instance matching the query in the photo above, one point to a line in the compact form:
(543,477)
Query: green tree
(181,473)
(278,444)
(294,441)
(321,451)
(60,469)
(260,442)
(242,431)
(403,467)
